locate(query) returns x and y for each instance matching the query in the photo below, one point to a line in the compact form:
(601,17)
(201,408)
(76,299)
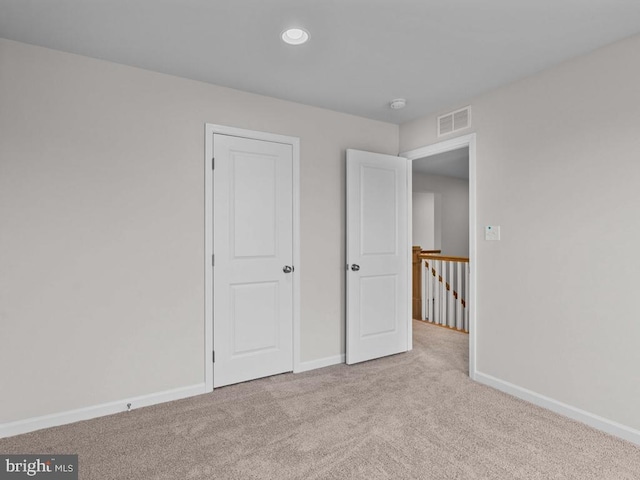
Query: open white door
(377,256)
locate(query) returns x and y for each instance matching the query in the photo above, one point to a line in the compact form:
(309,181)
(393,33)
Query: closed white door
(253,252)
(377,256)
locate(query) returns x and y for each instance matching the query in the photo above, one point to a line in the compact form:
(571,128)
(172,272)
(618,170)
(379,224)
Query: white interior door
(253,249)
(377,256)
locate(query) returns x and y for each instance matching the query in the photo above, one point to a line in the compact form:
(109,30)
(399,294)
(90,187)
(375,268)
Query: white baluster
(424,288)
(445,281)
(467,297)
(431,288)
(451,307)
(444,300)
(425,300)
(459,266)
(437,293)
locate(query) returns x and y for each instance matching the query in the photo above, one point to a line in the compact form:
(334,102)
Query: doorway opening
(442,219)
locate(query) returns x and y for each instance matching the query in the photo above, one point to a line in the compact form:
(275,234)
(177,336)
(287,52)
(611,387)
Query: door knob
(355,267)
(287,269)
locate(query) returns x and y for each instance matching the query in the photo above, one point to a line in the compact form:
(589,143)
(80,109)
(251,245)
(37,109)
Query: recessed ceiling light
(295,36)
(398,103)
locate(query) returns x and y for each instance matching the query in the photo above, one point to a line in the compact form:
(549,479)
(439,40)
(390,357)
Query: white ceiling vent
(454,121)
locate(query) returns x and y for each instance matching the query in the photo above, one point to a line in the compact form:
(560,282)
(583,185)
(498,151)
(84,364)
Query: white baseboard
(95,411)
(595,421)
(320,363)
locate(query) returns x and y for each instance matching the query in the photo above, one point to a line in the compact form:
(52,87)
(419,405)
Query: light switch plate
(492,232)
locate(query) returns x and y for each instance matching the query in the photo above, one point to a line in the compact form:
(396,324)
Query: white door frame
(210,130)
(427,151)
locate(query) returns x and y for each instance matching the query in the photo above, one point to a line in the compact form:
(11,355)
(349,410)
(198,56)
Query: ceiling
(454,163)
(362,53)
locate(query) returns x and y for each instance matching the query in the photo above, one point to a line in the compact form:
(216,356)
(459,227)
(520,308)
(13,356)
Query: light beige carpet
(410,416)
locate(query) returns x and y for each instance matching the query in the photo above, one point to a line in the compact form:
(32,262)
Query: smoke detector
(398,103)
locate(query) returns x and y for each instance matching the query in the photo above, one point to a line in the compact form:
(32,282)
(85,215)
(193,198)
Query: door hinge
(213,260)
(213,163)
(213,356)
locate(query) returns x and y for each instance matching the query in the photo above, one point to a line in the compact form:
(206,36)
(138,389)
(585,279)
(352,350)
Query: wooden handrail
(449,258)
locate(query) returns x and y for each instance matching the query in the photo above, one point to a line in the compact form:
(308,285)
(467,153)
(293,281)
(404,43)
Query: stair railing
(445,283)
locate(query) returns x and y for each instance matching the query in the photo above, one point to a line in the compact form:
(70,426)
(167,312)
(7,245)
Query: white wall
(452,211)
(423,220)
(558,168)
(102,225)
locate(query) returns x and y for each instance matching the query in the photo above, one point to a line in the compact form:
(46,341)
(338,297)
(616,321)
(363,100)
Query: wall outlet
(492,232)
